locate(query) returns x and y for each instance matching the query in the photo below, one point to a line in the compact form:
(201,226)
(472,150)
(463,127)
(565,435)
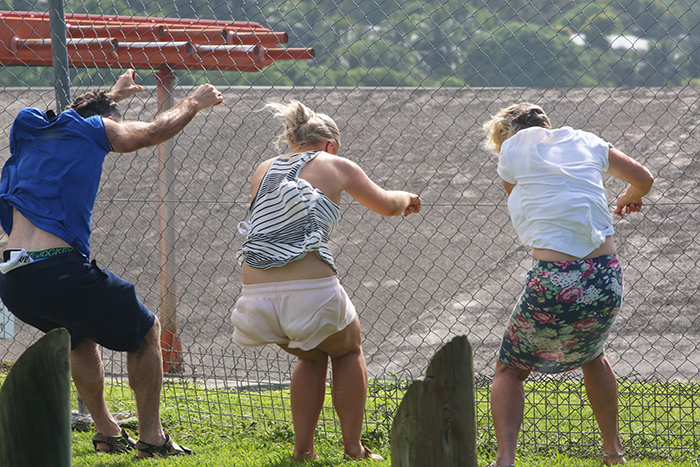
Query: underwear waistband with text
(14,258)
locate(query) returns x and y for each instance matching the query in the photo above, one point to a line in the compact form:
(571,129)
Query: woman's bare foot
(305,456)
(614,459)
(364,454)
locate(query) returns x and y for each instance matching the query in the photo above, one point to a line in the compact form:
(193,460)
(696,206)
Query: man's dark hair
(95,102)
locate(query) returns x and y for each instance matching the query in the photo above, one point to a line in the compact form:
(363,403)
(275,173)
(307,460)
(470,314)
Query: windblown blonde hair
(507,122)
(303,126)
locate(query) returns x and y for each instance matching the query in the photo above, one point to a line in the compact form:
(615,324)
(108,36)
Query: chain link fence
(410,84)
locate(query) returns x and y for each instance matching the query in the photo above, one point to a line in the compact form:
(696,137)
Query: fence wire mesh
(410,84)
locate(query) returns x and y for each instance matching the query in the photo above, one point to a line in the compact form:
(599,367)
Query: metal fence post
(59,55)
(169,338)
(59,52)
(7,323)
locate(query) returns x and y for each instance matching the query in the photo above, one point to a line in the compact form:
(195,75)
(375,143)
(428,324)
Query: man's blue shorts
(68,291)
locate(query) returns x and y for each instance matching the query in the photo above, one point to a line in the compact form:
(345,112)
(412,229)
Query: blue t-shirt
(53,174)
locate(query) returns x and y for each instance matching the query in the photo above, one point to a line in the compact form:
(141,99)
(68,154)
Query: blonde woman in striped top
(291,295)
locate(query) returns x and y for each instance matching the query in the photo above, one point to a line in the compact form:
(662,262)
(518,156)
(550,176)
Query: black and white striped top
(288,217)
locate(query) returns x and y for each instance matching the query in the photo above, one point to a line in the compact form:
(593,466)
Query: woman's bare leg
(601,388)
(507,409)
(308,392)
(349,388)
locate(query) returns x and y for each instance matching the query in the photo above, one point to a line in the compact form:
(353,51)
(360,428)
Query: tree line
(456,43)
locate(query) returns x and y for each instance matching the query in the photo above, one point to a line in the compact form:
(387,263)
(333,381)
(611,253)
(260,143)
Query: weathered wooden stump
(435,424)
(35,416)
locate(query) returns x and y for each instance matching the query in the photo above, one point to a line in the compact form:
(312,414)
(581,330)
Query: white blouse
(559,201)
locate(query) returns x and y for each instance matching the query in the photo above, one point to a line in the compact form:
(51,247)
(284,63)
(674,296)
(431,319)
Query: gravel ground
(454,269)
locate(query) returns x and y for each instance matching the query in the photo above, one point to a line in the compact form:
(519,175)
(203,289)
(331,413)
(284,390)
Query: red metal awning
(96,41)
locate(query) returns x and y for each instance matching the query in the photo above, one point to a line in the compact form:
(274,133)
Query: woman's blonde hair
(511,120)
(303,126)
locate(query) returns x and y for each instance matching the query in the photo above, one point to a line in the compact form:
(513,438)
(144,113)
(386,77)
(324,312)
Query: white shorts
(301,314)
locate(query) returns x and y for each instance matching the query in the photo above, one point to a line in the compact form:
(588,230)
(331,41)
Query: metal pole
(7,323)
(169,338)
(59,51)
(59,56)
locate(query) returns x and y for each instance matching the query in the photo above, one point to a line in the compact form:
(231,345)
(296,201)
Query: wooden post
(169,338)
(435,424)
(35,416)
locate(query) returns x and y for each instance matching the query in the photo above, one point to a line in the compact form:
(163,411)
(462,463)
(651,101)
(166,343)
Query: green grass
(226,427)
(218,448)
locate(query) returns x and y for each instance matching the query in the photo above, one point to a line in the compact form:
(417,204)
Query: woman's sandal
(166,450)
(120,443)
(493,464)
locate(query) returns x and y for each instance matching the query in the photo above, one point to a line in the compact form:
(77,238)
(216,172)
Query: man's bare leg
(89,379)
(145,369)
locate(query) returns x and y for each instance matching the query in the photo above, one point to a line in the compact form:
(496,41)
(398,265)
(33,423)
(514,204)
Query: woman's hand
(627,204)
(623,167)
(414,205)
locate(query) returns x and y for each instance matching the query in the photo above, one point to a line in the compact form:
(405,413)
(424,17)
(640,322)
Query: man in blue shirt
(47,191)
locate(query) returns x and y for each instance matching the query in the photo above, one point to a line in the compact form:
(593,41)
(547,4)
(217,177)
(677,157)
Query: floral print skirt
(564,315)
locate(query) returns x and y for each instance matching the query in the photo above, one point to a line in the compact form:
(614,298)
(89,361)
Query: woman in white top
(558,206)
(291,295)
